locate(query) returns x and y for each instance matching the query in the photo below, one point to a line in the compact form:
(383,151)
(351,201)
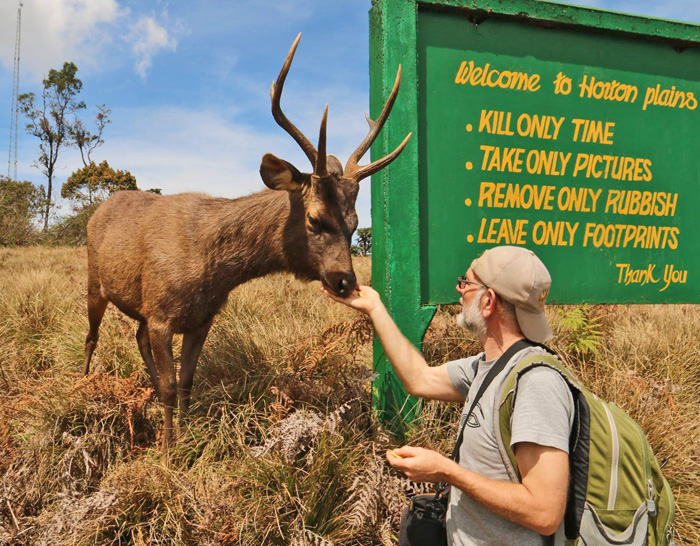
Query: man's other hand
(420,465)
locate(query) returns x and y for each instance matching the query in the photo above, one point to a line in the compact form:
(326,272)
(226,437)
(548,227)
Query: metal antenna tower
(14,114)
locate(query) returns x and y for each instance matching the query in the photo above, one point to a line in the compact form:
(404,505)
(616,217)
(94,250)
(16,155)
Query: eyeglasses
(462,283)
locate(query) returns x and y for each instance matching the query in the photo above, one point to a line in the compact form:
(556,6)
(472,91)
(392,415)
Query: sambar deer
(169,262)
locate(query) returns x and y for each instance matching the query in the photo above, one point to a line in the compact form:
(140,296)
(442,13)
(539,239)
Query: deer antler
(281,119)
(320,167)
(357,172)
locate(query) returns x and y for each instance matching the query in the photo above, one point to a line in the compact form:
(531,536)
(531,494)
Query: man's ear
(280,175)
(489,303)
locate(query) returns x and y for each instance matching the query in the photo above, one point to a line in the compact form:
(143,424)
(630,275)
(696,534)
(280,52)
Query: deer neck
(251,236)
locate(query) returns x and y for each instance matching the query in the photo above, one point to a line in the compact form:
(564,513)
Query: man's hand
(420,465)
(417,377)
(363,299)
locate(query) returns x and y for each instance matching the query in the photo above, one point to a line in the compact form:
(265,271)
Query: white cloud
(56,31)
(149,38)
(181,150)
(185,150)
(87,32)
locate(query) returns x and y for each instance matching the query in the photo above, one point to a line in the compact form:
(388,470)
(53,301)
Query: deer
(170,261)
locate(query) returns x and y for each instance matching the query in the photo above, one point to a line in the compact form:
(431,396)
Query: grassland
(282,446)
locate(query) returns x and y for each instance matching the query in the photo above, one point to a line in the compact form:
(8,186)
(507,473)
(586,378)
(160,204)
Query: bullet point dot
(469,127)
(469,165)
(470,238)
(468,202)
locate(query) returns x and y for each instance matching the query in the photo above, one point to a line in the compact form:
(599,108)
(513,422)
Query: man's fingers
(407,451)
(396,461)
(331,295)
(400,458)
(392,458)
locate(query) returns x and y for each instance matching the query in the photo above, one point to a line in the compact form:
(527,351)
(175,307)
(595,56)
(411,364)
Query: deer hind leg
(192,344)
(144,344)
(96,306)
(161,338)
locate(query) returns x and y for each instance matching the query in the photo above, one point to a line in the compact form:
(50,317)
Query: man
(502,298)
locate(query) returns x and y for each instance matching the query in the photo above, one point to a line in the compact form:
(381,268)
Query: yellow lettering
(588,130)
(486,194)
(592,88)
(485,76)
(670,98)
(503,231)
(630,235)
(641,203)
(633,169)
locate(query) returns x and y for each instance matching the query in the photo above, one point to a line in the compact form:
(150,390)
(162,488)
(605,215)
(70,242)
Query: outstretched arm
(417,377)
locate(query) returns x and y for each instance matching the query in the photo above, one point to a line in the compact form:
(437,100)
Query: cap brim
(534,326)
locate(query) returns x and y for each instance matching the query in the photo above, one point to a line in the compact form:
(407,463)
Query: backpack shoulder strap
(506,403)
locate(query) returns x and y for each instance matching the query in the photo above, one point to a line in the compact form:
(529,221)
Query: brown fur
(170,262)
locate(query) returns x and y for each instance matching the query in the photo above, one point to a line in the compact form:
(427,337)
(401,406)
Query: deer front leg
(161,337)
(192,344)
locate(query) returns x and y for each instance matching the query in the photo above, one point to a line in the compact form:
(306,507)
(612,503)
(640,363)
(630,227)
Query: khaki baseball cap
(520,278)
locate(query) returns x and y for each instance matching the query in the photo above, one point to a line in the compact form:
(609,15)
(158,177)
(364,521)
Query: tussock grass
(281,446)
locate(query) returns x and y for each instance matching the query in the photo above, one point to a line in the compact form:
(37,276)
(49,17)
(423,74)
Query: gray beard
(470,318)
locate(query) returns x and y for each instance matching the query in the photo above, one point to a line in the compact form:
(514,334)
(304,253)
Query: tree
(86,141)
(51,121)
(364,241)
(94,183)
(87,187)
(20,202)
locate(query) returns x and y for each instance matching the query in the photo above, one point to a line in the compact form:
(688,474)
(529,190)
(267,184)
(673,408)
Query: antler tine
(280,118)
(352,169)
(363,172)
(320,168)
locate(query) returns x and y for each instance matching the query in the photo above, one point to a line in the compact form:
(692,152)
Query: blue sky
(188,82)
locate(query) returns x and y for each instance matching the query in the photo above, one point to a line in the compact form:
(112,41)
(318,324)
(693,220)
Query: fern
(292,436)
(386,534)
(364,496)
(297,432)
(582,330)
(309,538)
(333,421)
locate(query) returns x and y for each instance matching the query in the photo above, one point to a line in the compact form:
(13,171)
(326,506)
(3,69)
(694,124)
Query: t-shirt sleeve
(544,410)
(461,373)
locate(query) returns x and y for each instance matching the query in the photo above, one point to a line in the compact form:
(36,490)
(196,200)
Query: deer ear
(333,165)
(280,175)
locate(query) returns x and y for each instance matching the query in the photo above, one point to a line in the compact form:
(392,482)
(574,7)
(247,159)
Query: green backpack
(617,493)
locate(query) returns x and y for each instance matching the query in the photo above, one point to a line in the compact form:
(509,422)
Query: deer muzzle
(341,283)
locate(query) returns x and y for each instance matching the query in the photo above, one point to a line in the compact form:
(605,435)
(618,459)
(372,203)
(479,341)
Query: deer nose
(342,283)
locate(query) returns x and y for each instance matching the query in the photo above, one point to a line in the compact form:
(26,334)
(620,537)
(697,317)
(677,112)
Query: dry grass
(281,446)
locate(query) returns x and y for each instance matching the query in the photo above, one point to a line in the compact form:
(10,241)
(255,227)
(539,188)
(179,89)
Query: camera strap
(490,376)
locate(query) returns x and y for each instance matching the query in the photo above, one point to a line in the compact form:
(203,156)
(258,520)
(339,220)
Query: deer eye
(314,224)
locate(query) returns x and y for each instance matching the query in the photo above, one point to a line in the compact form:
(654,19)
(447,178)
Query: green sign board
(567,130)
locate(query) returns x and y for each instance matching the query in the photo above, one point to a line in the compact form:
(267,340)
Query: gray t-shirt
(543,414)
